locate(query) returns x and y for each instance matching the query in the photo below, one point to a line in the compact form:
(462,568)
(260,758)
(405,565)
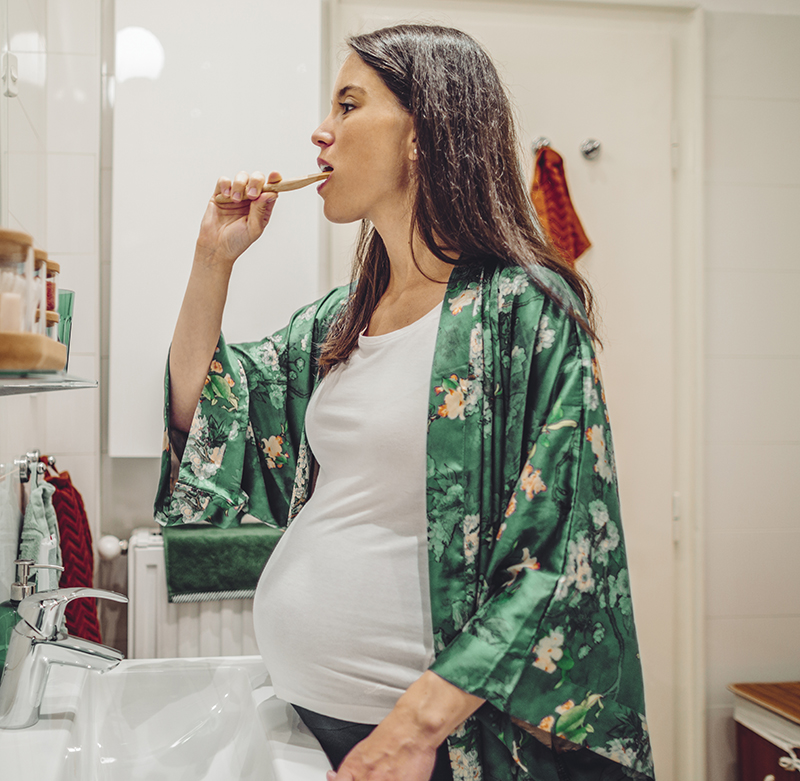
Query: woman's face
(368,142)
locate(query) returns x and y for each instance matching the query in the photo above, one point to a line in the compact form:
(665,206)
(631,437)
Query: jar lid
(39,254)
(53,267)
(14,242)
(53,318)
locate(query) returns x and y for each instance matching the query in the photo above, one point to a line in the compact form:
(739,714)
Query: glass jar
(53,319)
(40,289)
(17,302)
(53,270)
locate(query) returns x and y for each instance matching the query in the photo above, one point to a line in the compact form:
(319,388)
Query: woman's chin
(340,216)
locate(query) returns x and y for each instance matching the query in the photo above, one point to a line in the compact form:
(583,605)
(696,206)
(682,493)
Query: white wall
(50,170)
(752,362)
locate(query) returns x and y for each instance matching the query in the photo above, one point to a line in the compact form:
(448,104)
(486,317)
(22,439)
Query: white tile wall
(748,226)
(51,166)
(752,573)
(26,174)
(73,27)
(73,164)
(752,363)
(81,274)
(22,424)
(721,734)
(753,313)
(750,648)
(72,203)
(771,468)
(752,399)
(73,91)
(751,141)
(737,45)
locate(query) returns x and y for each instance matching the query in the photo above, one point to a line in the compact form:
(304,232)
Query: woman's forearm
(226,231)
(196,336)
(403,746)
(435,707)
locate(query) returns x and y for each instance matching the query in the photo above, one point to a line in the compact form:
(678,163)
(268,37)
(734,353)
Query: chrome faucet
(37,643)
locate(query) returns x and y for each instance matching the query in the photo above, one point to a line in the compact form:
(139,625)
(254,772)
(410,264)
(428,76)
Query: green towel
(205,563)
(39,536)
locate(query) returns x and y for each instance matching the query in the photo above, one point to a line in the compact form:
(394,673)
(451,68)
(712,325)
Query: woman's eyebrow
(350,88)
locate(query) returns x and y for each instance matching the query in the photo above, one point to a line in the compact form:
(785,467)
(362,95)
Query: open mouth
(325,168)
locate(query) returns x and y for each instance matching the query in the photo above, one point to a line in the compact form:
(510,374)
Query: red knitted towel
(76,554)
(550,196)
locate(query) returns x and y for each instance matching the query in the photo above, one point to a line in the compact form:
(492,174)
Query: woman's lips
(325,167)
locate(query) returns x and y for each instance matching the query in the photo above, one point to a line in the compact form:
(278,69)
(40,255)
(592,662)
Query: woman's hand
(392,752)
(228,229)
(403,746)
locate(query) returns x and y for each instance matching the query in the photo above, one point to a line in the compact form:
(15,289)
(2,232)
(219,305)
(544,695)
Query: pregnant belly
(340,611)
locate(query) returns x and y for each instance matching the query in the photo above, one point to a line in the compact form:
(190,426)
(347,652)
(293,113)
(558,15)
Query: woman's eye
(347,107)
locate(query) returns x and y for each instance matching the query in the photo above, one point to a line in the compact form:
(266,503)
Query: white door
(575,75)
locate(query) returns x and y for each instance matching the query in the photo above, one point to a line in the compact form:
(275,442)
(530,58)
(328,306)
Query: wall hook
(590,148)
(539,142)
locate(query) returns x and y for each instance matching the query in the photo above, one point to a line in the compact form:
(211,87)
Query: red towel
(550,196)
(77,555)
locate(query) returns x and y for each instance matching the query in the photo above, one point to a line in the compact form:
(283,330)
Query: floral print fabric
(530,594)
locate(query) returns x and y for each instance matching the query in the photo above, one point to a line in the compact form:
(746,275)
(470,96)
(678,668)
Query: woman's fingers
(260,212)
(239,186)
(255,185)
(223,186)
(244,187)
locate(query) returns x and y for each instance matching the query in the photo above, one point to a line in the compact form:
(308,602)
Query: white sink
(196,719)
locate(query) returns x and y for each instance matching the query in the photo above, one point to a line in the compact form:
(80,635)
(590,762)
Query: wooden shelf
(14,383)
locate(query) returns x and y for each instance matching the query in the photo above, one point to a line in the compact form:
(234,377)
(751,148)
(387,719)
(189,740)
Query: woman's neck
(414,288)
(412,265)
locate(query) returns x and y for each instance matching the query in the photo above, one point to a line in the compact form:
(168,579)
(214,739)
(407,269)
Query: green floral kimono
(530,594)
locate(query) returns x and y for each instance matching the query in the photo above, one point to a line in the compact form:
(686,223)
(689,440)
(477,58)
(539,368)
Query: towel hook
(24,469)
(29,461)
(539,143)
(590,148)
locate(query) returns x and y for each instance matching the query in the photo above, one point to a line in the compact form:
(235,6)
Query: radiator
(160,629)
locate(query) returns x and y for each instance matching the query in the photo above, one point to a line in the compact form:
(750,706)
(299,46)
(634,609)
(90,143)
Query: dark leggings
(337,737)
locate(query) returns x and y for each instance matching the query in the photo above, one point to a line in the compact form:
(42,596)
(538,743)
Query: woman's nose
(322,137)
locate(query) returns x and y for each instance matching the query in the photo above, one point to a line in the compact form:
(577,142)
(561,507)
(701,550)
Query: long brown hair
(471,196)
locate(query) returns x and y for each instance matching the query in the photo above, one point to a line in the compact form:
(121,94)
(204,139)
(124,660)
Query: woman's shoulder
(531,292)
(323,308)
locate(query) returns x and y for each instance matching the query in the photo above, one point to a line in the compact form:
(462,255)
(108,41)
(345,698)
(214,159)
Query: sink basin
(168,720)
(204,719)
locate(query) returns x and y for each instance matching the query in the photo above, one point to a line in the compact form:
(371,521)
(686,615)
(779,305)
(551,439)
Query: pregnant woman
(450,598)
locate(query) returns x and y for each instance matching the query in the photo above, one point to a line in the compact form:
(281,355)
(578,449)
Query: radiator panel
(158,629)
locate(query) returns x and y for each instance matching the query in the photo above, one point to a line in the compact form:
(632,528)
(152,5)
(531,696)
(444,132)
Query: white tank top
(342,610)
